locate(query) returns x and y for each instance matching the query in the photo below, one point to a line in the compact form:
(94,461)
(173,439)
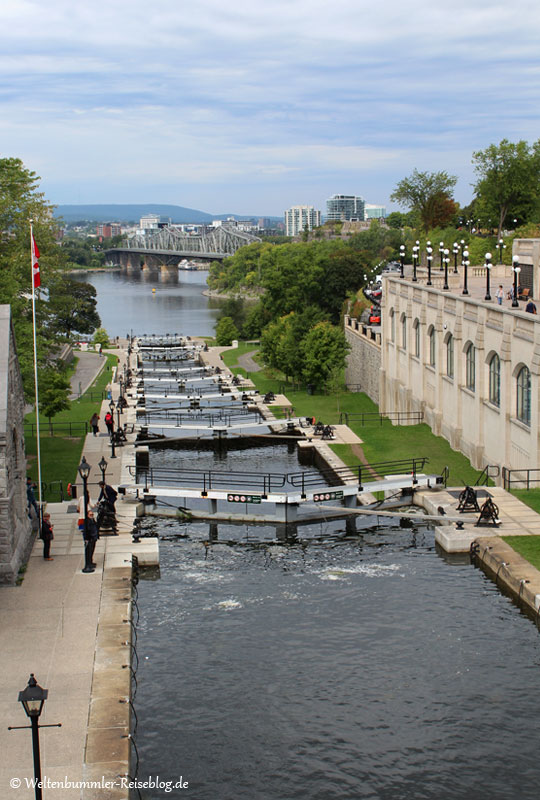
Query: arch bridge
(168,245)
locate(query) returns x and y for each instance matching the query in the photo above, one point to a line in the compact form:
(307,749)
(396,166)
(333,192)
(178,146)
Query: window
(392,326)
(432,344)
(450,356)
(404,331)
(523,398)
(495,380)
(470,368)
(416,328)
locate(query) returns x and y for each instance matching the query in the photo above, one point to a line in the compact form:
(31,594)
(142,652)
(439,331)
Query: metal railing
(401,417)
(520,478)
(204,419)
(57,428)
(489,472)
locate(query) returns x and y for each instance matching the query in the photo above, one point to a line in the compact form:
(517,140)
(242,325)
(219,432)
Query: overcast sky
(250,107)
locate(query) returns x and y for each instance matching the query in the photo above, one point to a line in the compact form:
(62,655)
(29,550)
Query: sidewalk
(72,631)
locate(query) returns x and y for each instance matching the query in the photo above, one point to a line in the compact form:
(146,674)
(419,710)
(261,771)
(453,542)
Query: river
(333,666)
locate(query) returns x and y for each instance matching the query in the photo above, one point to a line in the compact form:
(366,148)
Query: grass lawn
(531,497)
(527,546)
(384,442)
(61,455)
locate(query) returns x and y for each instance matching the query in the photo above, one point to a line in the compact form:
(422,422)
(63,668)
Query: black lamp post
(446,261)
(429,251)
(488,271)
(415,262)
(455,251)
(118,412)
(113,451)
(441,253)
(84,472)
(402,260)
(32,699)
(103,467)
(465,263)
(501,245)
(516,270)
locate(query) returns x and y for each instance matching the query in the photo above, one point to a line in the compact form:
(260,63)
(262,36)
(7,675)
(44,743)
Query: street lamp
(103,466)
(32,698)
(501,245)
(516,270)
(446,260)
(455,251)
(415,262)
(465,263)
(441,252)
(84,471)
(488,271)
(429,251)
(402,259)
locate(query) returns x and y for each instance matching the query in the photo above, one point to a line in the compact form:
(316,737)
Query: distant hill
(103,212)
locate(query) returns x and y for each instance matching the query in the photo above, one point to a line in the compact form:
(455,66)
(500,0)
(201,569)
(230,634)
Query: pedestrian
(499,294)
(109,422)
(47,535)
(530,307)
(80,509)
(31,498)
(94,424)
(109,495)
(90,535)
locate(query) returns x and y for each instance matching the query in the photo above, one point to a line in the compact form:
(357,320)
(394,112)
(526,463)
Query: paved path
(246,361)
(89,365)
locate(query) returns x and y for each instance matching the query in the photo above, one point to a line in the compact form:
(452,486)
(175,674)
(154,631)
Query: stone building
(15,530)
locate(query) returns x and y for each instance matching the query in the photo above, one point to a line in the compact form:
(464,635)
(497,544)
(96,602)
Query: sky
(250,107)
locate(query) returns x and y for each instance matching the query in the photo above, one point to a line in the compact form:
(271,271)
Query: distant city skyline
(254,108)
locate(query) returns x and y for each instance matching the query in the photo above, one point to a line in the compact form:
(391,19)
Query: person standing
(530,307)
(109,495)
(47,535)
(94,424)
(90,535)
(499,294)
(109,422)
(31,497)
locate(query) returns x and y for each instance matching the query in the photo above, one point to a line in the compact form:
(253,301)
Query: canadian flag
(36,278)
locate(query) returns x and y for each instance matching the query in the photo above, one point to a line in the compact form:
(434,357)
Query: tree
(101,337)
(226,331)
(325,348)
(429,193)
(508,180)
(73,304)
(54,389)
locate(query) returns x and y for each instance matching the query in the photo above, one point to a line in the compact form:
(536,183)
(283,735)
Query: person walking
(31,497)
(109,422)
(499,294)
(47,535)
(90,535)
(94,424)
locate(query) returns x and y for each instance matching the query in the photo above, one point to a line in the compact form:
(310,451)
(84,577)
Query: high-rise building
(344,207)
(374,212)
(297,218)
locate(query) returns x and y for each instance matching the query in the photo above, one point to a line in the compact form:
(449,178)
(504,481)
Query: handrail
(487,474)
(415,417)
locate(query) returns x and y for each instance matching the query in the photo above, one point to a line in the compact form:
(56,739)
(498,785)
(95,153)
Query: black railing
(57,428)
(369,417)
(203,419)
(489,472)
(526,478)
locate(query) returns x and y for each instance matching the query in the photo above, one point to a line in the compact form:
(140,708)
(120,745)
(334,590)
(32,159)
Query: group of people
(530,308)
(109,422)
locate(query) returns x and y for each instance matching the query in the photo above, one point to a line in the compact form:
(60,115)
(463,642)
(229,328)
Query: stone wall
(15,530)
(362,373)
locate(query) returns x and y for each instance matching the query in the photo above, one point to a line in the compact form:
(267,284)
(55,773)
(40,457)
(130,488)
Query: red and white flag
(36,278)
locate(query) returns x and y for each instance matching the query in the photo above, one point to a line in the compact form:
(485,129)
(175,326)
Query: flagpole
(38,448)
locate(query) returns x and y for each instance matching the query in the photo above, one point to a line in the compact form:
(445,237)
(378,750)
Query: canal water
(337,665)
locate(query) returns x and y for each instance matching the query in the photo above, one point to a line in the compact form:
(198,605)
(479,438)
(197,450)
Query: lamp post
(402,259)
(429,251)
(465,263)
(455,251)
(446,260)
(113,451)
(103,467)
(516,270)
(488,270)
(441,253)
(84,471)
(501,245)
(118,412)
(415,262)
(32,698)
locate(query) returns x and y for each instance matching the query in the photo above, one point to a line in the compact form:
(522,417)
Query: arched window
(470,367)
(450,356)
(404,331)
(495,380)
(432,346)
(392,325)
(523,396)
(416,327)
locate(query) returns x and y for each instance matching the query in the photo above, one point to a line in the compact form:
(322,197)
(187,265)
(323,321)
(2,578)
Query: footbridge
(167,246)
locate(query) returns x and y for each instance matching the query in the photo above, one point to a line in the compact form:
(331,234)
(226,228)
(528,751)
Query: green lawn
(61,455)
(384,442)
(527,546)
(531,497)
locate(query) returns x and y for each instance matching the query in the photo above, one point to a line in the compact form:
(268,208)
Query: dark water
(364,667)
(126,302)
